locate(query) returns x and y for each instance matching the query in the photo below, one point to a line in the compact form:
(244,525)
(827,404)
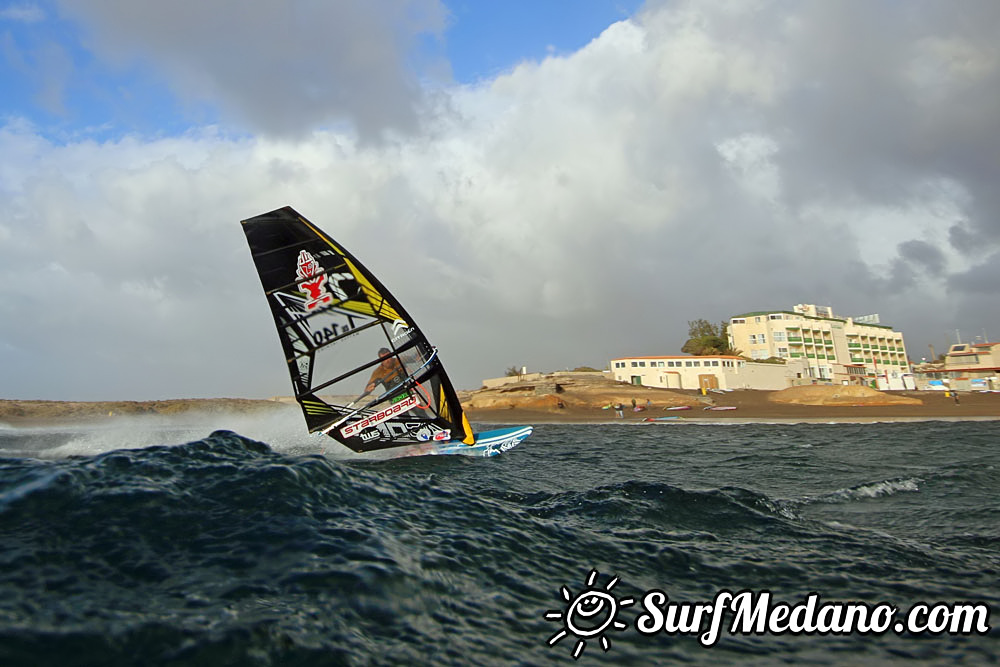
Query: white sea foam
(283,432)
(875,489)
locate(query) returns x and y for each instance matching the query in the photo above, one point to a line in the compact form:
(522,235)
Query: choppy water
(227,550)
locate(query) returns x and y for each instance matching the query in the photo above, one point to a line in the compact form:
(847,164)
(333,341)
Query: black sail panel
(361,369)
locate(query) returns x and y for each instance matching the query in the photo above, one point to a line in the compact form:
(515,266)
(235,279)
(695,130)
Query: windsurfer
(391,373)
(388,373)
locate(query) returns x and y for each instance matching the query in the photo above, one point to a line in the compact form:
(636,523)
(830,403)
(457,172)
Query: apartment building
(835,349)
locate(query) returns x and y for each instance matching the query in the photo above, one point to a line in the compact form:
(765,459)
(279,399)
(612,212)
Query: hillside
(17,412)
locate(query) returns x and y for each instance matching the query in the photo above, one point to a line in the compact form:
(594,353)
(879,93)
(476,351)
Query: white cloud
(696,161)
(22,13)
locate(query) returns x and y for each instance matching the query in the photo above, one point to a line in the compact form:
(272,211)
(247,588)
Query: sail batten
(345,335)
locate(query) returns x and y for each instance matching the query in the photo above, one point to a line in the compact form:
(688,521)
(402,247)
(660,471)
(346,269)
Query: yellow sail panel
(470,437)
(443,405)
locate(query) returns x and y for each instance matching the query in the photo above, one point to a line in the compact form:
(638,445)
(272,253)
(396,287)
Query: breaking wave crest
(870,490)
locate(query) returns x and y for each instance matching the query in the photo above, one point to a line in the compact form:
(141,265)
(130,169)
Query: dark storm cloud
(277,66)
(888,95)
(930,258)
(981,279)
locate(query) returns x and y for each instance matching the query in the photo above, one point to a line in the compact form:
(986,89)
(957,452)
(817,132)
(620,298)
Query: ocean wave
(868,490)
(230,549)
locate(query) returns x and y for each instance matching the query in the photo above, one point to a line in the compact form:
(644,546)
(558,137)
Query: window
(782,350)
(776,317)
(659,364)
(696,364)
(715,362)
(687,364)
(757,320)
(739,320)
(635,364)
(642,364)
(779,336)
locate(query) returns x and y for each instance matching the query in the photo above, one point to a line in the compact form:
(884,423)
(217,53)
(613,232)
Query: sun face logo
(589,614)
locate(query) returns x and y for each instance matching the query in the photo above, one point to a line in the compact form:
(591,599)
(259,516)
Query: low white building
(707,372)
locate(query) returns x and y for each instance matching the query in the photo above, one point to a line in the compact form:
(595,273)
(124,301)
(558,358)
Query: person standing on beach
(955,394)
(620,410)
(633,405)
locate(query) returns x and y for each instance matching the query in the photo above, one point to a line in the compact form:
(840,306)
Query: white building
(708,372)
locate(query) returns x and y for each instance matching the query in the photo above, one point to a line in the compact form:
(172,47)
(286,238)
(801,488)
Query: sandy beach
(754,406)
(750,406)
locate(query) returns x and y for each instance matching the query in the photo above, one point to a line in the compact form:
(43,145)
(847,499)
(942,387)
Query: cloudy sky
(547,184)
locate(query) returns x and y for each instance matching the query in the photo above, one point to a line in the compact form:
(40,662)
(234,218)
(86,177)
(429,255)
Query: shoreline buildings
(966,367)
(840,350)
(783,348)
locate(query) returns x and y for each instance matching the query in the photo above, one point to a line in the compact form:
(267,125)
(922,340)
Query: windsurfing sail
(361,369)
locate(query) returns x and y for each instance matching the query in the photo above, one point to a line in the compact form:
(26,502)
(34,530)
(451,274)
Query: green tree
(512,371)
(705,338)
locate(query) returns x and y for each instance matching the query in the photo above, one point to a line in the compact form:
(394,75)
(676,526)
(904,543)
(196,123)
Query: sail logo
(435,433)
(400,330)
(380,416)
(312,281)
